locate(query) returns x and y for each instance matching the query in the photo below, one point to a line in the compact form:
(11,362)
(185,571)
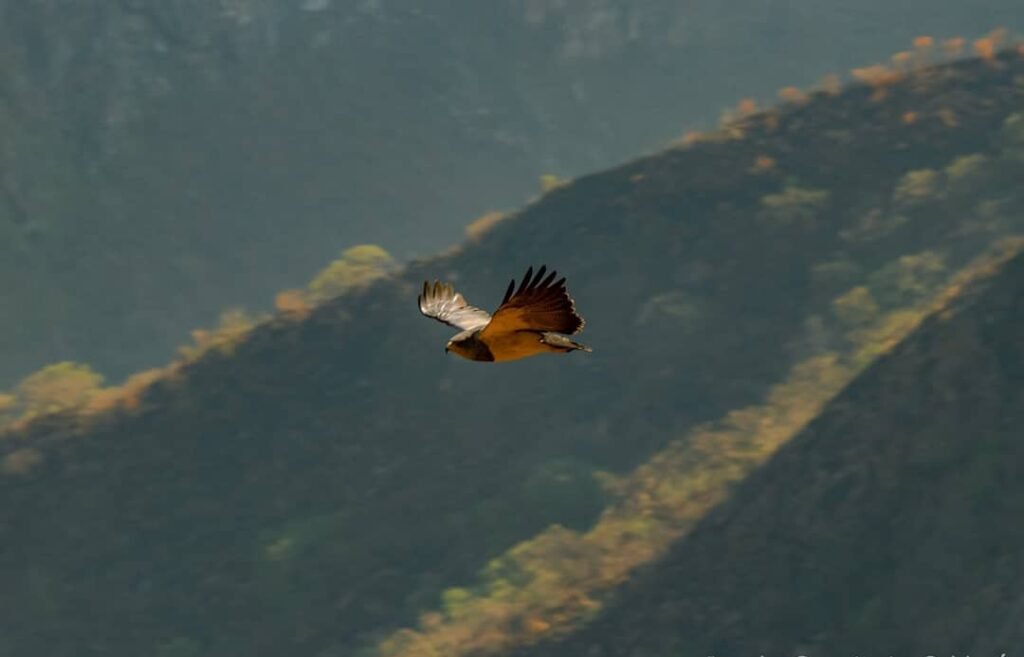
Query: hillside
(316,484)
(160,161)
(892,520)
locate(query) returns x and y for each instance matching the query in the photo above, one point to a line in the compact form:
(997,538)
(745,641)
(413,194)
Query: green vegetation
(856,307)
(1013,136)
(233,327)
(549,182)
(324,482)
(58,387)
(357,267)
(76,388)
(966,170)
(917,186)
(483,224)
(795,204)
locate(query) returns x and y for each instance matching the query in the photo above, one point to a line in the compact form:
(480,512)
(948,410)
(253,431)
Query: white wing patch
(440,301)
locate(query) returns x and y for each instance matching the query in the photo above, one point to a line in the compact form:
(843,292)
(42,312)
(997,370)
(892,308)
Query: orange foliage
(483,225)
(126,396)
(909,117)
(534,625)
(293,303)
(998,35)
(831,84)
(8,403)
(201,337)
(902,59)
(233,329)
(985,48)
(136,384)
(792,95)
(954,46)
(103,401)
(771,122)
(923,42)
(762,164)
(746,107)
(877,75)
(691,137)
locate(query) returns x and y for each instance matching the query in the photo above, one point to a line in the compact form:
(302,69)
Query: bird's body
(511,346)
(529,321)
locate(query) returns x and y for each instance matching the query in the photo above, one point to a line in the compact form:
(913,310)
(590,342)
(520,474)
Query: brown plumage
(528,322)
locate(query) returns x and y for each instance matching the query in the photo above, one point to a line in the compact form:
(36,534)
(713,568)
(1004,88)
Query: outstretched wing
(540,304)
(440,301)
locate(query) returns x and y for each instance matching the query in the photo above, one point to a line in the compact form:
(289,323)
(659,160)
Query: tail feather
(562,342)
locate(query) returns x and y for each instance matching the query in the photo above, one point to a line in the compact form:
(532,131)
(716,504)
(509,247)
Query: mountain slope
(160,161)
(319,482)
(891,520)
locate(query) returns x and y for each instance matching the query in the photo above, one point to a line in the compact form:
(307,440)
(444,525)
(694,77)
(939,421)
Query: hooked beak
(446,350)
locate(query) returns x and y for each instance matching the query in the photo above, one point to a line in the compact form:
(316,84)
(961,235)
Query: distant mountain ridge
(162,161)
(324,481)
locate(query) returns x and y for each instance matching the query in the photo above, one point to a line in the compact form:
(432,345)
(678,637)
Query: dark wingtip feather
(526,280)
(421,296)
(545,295)
(510,290)
(540,275)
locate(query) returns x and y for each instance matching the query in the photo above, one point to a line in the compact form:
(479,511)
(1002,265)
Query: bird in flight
(528,322)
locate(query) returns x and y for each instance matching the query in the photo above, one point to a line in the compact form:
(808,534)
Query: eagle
(528,322)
